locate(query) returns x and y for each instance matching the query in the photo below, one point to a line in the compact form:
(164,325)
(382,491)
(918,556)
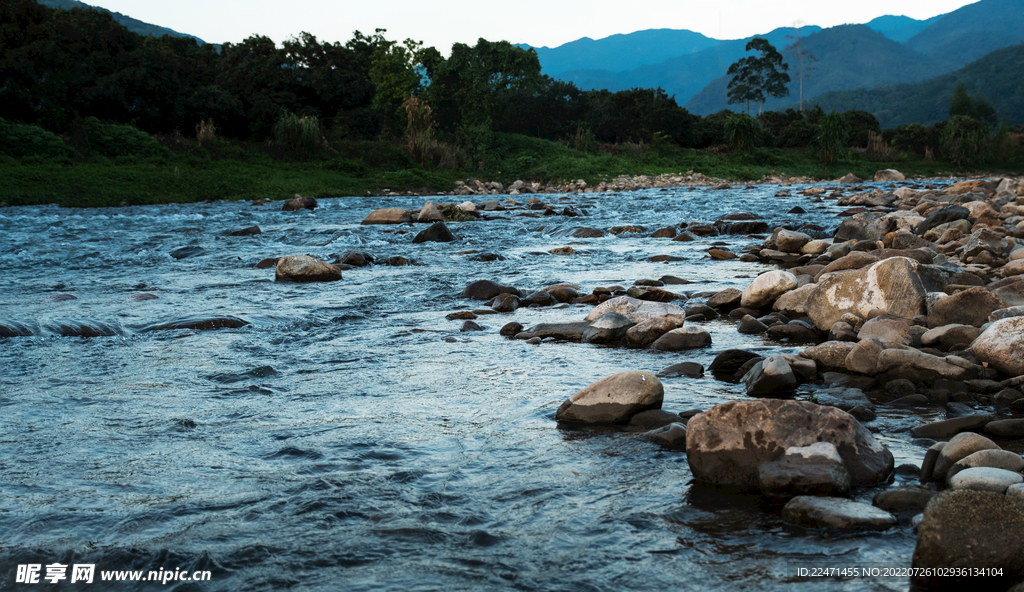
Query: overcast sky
(537,22)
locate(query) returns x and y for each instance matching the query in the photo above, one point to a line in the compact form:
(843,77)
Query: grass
(217,169)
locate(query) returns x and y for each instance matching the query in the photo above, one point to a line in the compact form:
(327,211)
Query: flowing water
(349,437)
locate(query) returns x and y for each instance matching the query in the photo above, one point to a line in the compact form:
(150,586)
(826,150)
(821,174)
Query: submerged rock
(197,323)
(614,399)
(303,268)
(836,512)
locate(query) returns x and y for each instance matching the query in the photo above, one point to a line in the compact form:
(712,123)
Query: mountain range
(889,50)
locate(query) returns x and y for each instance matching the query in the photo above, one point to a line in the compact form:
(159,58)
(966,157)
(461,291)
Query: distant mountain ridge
(683,76)
(848,56)
(133,25)
(997,76)
(901,50)
(621,52)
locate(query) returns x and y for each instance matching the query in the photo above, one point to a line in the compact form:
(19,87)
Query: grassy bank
(186,171)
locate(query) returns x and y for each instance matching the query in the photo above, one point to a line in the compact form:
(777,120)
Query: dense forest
(78,86)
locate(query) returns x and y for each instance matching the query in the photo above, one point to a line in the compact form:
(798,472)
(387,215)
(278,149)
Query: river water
(350,437)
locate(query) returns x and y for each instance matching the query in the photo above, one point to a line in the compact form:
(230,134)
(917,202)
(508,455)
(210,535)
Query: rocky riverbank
(915,301)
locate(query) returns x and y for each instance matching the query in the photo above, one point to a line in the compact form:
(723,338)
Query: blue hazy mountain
(971,32)
(848,56)
(133,25)
(621,52)
(899,28)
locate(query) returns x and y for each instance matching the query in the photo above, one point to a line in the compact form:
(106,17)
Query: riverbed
(350,437)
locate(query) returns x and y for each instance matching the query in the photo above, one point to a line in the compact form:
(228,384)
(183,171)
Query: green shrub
(743,132)
(833,137)
(96,138)
(299,136)
(19,141)
(965,141)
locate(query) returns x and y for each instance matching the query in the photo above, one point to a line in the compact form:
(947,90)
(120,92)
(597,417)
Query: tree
(756,78)
(802,71)
(475,82)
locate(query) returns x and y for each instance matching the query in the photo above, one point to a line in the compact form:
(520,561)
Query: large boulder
(487,289)
(682,338)
(766,288)
(771,376)
(806,470)
(635,310)
(611,327)
(1001,346)
(298,203)
(727,444)
(388,216)
(889,175)
(614,399)
(303,268)
(891,286)
(647,332)
(964,530)
(967,307)
(435,233)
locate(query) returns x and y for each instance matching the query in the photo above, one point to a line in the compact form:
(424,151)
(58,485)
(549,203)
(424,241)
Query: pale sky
(538,22)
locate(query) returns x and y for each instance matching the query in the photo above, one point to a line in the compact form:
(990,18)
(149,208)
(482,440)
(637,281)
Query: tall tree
(803,61)
(754,78)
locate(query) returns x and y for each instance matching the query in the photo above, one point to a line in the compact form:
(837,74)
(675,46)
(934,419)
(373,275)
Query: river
(349,437)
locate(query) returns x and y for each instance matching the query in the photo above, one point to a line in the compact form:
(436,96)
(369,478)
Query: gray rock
(891,286)
(909,499)
(671,437)
(635,310)
(863,358)
(728,443)
(1006,428)
(766,288)
(985,479)
(748,325)
(653,419)
(561,331)
(1001,345)
(844,398)
(836,512)
(970,529)
(770,376)
(614,399)
(688,369)
(950,427)
(647,332)
(1016,491)
(303,268)
(608,328)
(888,332)
(806,470)
(682,338)
(959,447)
(831,354)
(992,458)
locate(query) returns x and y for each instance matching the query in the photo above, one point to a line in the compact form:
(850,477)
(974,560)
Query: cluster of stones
(474,186)
(486,210)
(977,519)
